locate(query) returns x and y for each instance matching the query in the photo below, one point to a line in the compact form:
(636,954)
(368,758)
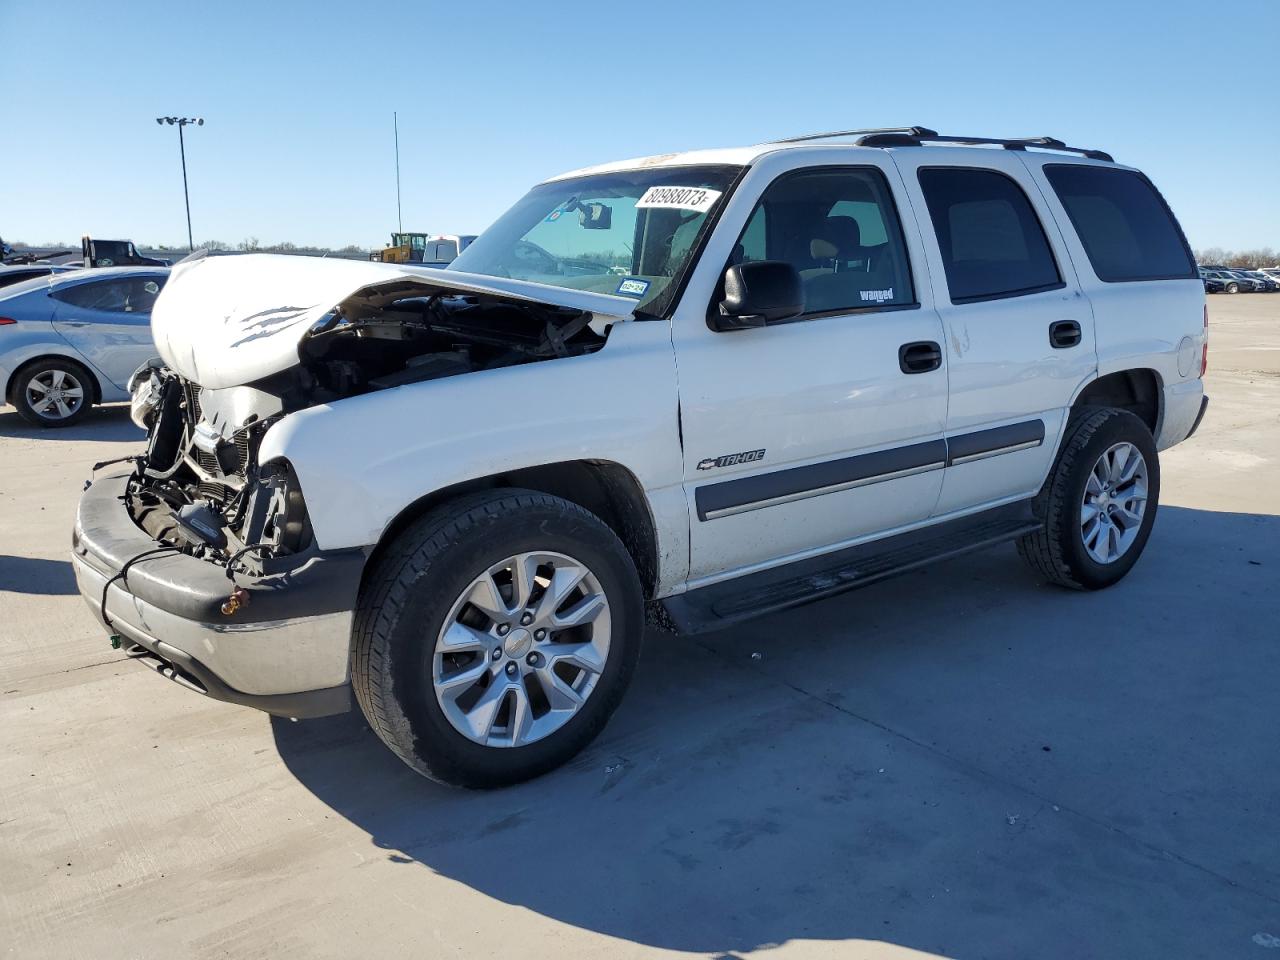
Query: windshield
(631,233)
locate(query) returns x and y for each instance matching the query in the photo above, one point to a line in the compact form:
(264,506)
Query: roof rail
(915,136)
(918,132)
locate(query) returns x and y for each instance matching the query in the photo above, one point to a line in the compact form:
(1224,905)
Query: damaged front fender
(362,461)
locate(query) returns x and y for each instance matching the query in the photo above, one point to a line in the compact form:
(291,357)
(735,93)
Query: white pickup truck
(704,386)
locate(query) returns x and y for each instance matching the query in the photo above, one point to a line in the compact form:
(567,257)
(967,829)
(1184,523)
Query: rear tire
(1099,502)
(1233,288)
(442,664)
(55,392)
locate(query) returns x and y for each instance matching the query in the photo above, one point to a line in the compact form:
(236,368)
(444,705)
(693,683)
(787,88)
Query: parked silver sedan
(68,341)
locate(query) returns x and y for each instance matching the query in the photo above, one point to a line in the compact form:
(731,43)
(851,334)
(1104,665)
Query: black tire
(18,394)
(1057,551)
(411,590)
(1233,288)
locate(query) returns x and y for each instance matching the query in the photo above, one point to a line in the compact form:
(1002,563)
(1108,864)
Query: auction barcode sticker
(697,199)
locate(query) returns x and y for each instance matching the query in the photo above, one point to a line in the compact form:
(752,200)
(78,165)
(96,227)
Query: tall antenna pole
(395,119)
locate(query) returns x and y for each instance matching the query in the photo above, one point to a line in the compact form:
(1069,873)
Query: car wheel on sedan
(495,637)
(1233,288)
(52,393)
(1099,502)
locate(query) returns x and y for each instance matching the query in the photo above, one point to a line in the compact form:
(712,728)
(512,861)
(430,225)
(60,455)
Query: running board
(804,581)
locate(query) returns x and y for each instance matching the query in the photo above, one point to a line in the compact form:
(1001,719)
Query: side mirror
(758,293)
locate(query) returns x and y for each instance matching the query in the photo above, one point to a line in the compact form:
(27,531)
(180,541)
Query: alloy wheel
(1114,503)
(55,394)
(522,649)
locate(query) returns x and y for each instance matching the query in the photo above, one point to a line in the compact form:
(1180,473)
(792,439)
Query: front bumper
(285,651)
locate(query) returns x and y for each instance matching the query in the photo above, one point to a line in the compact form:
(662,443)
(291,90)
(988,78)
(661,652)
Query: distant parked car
(1262,282)
(1247,283)
(1231,282)
(71,340)
(443,248)
(1212,284)
(29,271)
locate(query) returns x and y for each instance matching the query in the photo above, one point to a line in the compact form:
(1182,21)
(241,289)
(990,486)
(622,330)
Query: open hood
(230,320)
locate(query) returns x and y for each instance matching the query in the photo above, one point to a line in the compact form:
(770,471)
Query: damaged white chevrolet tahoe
(707,385)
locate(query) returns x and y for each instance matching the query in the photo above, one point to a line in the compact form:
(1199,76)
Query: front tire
(1099,503)
(1233,288)
(496,636)
(52,393)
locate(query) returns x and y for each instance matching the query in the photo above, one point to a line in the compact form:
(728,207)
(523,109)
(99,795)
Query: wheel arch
(1140,390)
(606,488)
(21,368)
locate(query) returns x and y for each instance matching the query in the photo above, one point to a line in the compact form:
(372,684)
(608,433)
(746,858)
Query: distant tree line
(247,245)
(254,245)
(1245,259)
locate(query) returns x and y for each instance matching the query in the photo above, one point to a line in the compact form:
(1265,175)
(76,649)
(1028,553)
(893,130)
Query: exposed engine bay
(199,486)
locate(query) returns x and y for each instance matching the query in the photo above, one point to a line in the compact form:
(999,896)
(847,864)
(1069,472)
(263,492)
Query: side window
(991,241)
(142,293)
(838,227)
(1123,223)
(109,295)
(752,245)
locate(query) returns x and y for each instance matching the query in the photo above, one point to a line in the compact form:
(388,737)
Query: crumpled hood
(230,320)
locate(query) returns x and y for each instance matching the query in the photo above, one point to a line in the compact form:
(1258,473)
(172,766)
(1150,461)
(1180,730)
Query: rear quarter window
(1124,225)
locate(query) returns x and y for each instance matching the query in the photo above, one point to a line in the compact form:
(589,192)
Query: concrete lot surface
(961,762)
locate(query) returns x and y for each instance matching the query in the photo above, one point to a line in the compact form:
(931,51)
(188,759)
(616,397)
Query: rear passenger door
(1139,274)
(1019,332)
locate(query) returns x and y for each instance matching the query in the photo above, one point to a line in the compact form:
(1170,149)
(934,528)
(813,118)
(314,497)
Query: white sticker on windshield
(878,296)
(678,198)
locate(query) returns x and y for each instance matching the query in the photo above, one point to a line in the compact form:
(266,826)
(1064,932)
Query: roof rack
(920,132)
(916,136)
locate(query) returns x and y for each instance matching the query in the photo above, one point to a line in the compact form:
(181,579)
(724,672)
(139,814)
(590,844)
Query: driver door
(820,431)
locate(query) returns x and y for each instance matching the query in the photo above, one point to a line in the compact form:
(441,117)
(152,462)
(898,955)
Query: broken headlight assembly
(275,523)
(146,388)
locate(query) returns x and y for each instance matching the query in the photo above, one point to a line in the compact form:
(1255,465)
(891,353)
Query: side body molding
(739,495)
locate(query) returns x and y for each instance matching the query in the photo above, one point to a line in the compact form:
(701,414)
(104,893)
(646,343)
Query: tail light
(1204,352)
(7,321)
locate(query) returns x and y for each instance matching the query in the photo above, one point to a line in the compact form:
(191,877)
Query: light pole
(182,148)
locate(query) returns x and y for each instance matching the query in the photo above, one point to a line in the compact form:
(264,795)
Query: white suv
(710,385)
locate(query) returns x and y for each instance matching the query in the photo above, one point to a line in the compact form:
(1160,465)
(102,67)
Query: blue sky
(493,97)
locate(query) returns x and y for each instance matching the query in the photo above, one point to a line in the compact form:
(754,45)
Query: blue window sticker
(631,287)
(553,216)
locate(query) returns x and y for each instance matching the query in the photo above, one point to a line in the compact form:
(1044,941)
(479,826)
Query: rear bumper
(285,651)
(1204,406)
(1182,410)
